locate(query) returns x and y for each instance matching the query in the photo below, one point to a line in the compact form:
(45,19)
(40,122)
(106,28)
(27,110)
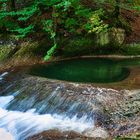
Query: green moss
(131,49)
(26,49)
(33,49)
(89,46)
(77,46)
(129,137)
(125,25)
(121,22)
(5,51)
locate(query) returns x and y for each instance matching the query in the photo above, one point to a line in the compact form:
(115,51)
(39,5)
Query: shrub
(78,46)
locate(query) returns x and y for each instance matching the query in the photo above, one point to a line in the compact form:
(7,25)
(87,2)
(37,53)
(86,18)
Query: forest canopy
(56,18)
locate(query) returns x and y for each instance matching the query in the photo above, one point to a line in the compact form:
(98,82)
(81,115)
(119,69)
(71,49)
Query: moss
(125,25)
(129,137)
(77,46)
(124,49)
(5,51)
(26,49)
(32,49)
(89,46)
(121,22)
(131,49)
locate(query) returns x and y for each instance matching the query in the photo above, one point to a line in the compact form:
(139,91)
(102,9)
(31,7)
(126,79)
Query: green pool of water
(86,70)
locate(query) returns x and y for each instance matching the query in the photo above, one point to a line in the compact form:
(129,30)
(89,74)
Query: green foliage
(95,23)
(26,13)
(50,52)
(22,32)
(69,14)
(56,18)
(131,49)
(48,27)
(65,4)
(77,46)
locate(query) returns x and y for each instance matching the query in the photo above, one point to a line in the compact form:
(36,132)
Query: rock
(97,132)
(115,36)
(56,135)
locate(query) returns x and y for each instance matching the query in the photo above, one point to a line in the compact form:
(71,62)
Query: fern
(22,32)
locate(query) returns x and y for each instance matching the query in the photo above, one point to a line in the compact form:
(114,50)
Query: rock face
(115,36)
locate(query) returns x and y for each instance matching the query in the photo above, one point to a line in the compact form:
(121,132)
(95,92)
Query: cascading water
(32,104)
(29,115)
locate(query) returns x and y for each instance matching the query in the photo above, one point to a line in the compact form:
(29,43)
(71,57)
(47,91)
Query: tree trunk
(13,5)
(117,9)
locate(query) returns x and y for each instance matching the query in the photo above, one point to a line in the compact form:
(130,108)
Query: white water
(3,75)
(24,124)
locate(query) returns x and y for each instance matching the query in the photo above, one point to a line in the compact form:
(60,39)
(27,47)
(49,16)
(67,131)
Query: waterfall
(38,116)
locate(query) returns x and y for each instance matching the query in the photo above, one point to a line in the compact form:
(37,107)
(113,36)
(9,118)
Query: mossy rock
(26,49)
(5,51)
(33,48)
(117,36)
(103,38)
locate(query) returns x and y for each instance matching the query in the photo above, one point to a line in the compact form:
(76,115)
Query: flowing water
(29,105)
(26,116)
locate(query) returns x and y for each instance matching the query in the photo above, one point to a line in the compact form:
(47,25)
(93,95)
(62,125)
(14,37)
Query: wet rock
(97,132)
(56,135)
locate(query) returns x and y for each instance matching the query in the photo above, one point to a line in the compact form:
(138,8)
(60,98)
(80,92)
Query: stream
(31,104)
(27,116)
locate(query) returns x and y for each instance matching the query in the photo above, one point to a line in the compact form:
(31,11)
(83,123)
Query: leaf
(50,52)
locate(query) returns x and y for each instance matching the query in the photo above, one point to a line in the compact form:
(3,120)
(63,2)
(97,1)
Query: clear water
(87,70)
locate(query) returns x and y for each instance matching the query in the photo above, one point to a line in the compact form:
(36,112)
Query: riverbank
(30,60)
(17,53)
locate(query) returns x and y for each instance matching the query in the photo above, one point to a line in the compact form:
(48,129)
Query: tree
(52,16)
